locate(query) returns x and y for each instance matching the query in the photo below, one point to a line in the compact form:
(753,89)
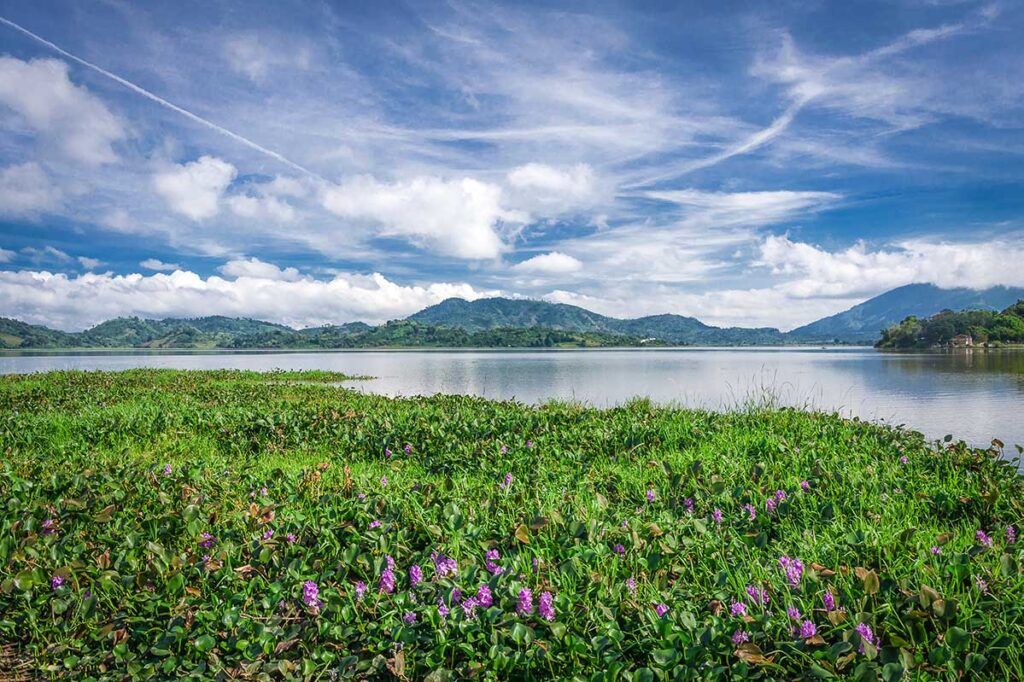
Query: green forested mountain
(17,334)
(864,322)
(983,326)
(491,313)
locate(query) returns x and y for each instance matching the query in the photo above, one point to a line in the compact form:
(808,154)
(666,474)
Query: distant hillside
(492,313)
(948,328)
(173,332)
(864,322)
(17,334)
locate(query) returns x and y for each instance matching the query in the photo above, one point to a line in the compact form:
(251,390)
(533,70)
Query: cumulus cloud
(555,263)
(159,265)
(815,272)
(26,190)
(255,268)
(261,208)
(460,218)
(547,191)
(89,263)
(194,189)
(76,302)
(64,115)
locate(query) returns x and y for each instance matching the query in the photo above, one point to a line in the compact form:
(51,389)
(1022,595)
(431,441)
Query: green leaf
(205,642)
(957,638)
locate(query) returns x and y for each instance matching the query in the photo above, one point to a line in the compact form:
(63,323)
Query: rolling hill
(864,322)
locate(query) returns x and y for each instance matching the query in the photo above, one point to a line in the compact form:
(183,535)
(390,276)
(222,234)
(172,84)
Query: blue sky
(746,163)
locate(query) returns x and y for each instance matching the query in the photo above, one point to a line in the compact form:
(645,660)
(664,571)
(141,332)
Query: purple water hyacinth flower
(688,503)
(311,595)
(547,607)
(384,481)
(780,495)
(504,449)
(387,453)
(524,605)
(829,601)
(263,491)
(206,557)
(442,610)
(751,511)
(661,609)
(650,495)
(535,562)
(794,569)
(469,607)
(291,538)
(389,561)
(529,443)
(738,608)
(506,483)
(983,538)
(631,585)
(456,595)
(408,448)
(375,523)
(409,618)
(620,550)
(981,584)
(360,590)
(740,637)
(808,629)
(793,613)
(361,496)
(864,630)
(483,596)
(49,526)
(56,582)
(770,504)
(267,534)
(444,566)
(717,516)
(758,595)
(805,486)
(1011,535)
(936,549)
(415,575)
(208,540)
(489,559)
(387,581)
(167,470)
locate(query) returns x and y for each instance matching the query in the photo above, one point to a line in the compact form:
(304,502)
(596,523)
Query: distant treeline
(983,326)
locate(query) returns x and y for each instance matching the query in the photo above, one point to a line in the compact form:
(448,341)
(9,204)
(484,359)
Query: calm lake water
(974,395)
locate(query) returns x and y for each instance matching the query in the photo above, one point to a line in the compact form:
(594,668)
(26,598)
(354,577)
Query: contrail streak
(162,102)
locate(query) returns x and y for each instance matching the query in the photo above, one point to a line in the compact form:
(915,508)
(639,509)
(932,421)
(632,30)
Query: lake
(975,395)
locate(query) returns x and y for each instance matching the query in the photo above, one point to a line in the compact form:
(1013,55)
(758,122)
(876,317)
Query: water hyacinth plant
(255,558)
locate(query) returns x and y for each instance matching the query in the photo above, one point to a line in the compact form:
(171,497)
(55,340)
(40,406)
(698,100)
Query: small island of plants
(230,525)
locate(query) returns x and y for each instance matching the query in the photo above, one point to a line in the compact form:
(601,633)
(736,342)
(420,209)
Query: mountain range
(502,322)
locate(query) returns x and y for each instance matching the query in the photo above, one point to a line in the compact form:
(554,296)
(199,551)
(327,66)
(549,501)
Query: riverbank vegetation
(984,327)
(227,525)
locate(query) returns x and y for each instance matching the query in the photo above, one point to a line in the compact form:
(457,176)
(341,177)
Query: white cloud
(89,263)
(250,55)
(261,208)
(194,189)
(460,218)
(26,190)
(65,115)
(76,302)
(257,269)
(6,256)
(815,272)
(726,209)
(550,263)
(47,253)
(159,265)
(548,191)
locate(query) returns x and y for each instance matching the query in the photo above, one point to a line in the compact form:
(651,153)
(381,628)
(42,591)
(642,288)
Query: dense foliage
(983,326)
(239,526)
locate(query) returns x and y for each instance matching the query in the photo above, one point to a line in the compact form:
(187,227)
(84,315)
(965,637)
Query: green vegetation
(222,525)
(983,326)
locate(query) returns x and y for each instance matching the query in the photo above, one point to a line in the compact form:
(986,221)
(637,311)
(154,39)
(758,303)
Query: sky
(311,162)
